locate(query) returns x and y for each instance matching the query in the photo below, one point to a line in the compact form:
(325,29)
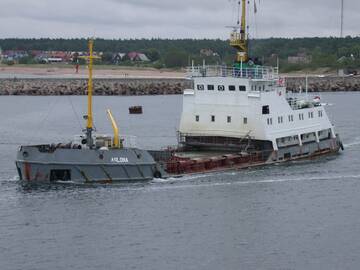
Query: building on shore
(118,57)
(137,57)
(300,58)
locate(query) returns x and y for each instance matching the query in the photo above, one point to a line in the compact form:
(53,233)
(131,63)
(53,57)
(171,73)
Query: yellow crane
(239,40)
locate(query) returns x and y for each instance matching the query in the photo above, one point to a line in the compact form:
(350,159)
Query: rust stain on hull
(27,169)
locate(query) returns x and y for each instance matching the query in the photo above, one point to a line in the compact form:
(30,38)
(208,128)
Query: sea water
(299,215)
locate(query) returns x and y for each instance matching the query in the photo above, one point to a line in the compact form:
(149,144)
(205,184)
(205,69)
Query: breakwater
(324,84)
(151,86)
(104,87)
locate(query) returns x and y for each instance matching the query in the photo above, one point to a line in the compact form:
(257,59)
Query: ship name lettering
(119,159)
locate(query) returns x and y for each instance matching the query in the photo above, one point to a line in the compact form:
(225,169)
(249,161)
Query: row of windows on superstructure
(291,117)
(266,110)
(255,87)
(307,137)
(213,118)
(211,87)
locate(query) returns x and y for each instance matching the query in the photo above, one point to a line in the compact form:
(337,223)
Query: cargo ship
(233,118)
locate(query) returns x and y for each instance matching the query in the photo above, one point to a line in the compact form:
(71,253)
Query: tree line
(324,52)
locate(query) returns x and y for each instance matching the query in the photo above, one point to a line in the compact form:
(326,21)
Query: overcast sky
(172,18)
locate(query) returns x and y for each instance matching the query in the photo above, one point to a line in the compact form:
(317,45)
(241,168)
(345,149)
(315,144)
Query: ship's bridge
(241,71)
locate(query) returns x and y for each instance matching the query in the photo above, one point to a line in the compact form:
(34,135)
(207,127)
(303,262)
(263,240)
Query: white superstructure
(250,103)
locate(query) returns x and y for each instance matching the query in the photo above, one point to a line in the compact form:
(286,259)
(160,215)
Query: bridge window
(242,87)
(266,109)
(229,119)
(301,116)
(200,87)
(320,113)
(311,114)
(210,87)
(221,88)
(269,121)
(197,118)
(291,118)
(280,120)
(232,88)
(245,120)
(213,118)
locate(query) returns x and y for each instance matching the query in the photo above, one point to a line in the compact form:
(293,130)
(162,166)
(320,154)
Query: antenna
(238,21)
(342,19)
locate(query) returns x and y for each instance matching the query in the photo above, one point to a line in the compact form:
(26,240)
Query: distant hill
(304,52)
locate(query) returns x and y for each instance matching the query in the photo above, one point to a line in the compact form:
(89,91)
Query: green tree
(26,60)
(107,57)
(175,58)
(153,54)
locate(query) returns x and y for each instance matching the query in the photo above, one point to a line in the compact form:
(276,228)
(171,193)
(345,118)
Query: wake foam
(355,143)
(257,182)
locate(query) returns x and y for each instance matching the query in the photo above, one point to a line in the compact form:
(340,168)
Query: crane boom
(239,40)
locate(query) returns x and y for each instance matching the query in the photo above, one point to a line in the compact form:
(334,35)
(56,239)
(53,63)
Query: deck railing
(298,101)
(128,141)
(256,72)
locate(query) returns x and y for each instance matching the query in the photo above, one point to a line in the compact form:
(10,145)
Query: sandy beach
(53,71)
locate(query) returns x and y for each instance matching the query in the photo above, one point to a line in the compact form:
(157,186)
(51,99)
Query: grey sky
(172,18)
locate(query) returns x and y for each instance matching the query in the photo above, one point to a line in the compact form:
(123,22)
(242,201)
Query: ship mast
(89,116)
(239,40)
